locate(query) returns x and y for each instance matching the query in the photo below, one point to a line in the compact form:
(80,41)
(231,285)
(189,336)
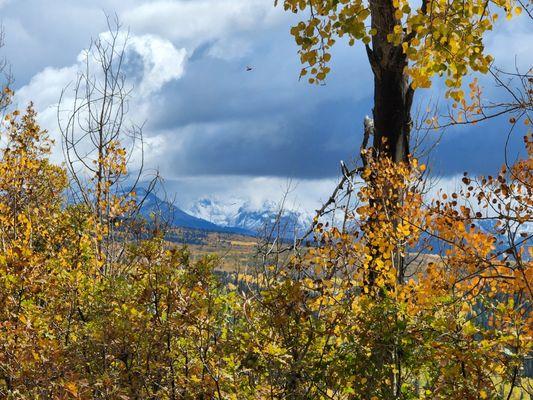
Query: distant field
(238,251)
(235,251)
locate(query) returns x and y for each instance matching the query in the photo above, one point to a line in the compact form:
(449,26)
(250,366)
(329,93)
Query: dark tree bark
(392,93)
(393,97)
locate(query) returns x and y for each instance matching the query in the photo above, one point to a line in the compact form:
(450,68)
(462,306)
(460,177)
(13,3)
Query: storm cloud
(216,83)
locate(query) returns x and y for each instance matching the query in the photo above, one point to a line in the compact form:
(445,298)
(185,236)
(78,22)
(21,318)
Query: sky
(213,128)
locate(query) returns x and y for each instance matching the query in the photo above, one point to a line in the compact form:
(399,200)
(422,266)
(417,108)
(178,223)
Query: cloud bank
(210,121)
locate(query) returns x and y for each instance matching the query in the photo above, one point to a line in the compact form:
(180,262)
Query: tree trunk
(393,95)
(392,114)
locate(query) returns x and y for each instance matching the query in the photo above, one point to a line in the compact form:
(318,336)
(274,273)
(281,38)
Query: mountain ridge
(231,216)
(178,218)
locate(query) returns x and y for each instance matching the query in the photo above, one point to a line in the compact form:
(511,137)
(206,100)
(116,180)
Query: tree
(31,197)
(98,139)
(406,48)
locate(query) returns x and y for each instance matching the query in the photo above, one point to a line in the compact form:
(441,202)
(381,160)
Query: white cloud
(230,49)
(162,62)
(510,43)
(45,87)
(200,20)
(303,195)
(43,91)
(440,185)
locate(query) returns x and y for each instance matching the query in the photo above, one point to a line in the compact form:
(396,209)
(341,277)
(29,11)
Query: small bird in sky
(248,68)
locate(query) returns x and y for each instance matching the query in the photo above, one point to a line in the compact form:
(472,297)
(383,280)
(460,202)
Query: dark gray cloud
(478,150)
(218,118)
(261,122)
(303,145)
(265,122)
(42,34)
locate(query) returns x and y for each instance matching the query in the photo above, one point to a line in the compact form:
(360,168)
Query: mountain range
(239,216)
(260,219)
(230,216)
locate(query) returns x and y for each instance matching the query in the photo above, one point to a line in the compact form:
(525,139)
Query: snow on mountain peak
(242,213)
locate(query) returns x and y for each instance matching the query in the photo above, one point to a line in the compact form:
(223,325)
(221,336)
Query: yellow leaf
(71,388)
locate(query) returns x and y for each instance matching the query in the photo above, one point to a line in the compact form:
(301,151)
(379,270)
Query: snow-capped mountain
(231,216)
(153,205)
(176,217)
(260,219)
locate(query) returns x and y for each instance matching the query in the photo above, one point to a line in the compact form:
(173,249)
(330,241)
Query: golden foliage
(348,319)
(439,37)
